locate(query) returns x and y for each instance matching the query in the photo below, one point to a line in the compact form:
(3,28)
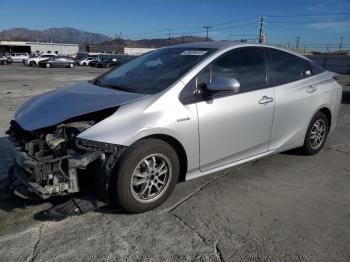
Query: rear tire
(71,65)
(316,134)
(48,65)
(32,63)
(145,176)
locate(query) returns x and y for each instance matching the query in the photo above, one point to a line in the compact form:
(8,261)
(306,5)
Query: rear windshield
(154,71)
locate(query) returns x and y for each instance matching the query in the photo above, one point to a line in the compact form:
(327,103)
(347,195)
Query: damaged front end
(47,161)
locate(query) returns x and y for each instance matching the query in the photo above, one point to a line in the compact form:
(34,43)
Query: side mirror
(224,84)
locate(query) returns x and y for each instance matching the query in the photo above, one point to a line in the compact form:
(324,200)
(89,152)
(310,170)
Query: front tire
(32,63)
(145,176)
(48,65)
(316,134)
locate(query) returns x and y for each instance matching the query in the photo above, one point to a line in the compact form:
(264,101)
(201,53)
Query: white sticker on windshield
(193,52)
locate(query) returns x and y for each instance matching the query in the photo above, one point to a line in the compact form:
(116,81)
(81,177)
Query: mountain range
(112,45)
(58,35)
(102,43)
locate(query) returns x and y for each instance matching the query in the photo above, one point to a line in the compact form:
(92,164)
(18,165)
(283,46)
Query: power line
(305,22)
(193,27)
(310,15)
(237,24)
(235,21)
(241,35)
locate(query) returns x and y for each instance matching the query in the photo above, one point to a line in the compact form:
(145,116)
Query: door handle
(265,100)
(311,89)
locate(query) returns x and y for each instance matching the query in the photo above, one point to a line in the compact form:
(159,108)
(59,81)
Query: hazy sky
(156,18)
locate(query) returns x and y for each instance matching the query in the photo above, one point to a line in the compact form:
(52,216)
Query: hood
(60,105)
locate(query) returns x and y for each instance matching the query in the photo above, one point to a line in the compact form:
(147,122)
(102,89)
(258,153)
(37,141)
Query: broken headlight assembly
(47,161)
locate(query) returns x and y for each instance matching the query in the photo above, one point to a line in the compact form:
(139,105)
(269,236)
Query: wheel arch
(328,113)
(324,109)
(179,149)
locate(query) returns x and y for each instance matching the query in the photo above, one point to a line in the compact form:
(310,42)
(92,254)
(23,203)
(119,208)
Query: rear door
(295,98)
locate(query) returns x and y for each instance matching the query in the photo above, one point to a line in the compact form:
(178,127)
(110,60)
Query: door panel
(296,96)
(234,127)
(294,108)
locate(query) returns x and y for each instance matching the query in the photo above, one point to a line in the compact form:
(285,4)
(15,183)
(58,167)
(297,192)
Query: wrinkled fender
(153,115)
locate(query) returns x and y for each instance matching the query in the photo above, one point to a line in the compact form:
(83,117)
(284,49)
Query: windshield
(154,71)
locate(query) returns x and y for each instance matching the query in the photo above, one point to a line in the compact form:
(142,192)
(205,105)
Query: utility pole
(207,28)
(261,30)
(341,43)
(297,42)
(169,35)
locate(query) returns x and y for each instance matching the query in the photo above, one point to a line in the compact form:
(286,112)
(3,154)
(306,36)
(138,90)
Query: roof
(209,44)
(221,45)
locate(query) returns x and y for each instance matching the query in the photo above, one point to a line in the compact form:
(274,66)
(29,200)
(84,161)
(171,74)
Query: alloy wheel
(318,134)
(151,178)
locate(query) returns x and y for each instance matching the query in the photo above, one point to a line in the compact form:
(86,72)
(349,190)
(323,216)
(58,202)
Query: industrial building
(136,50)
(38,48)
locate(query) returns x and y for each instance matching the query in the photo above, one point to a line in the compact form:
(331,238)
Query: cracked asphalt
(284,207)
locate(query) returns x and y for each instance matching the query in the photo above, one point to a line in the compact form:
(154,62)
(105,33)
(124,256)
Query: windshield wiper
(98,82)
(132,90)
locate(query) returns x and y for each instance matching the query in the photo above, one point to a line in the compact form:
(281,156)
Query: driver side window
(247,65)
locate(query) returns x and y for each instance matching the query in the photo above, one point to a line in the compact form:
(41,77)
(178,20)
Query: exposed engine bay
(47,161)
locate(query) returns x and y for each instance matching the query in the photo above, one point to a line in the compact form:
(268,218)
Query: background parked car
(94,62)
(58,61)
(86,61)
(107,62)
(19,57)
(34,61)
(5,60)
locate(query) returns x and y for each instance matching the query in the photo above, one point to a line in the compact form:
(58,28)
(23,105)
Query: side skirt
(197,173)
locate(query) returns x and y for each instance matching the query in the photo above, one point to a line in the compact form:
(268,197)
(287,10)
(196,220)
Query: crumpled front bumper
(23,175)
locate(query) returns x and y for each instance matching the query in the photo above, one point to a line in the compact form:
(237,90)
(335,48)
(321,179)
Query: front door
(234,126)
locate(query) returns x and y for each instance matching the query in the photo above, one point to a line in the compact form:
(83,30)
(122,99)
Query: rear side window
(247,65)
(285,67)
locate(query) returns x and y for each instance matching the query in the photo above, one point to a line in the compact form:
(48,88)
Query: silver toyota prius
(171,115)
